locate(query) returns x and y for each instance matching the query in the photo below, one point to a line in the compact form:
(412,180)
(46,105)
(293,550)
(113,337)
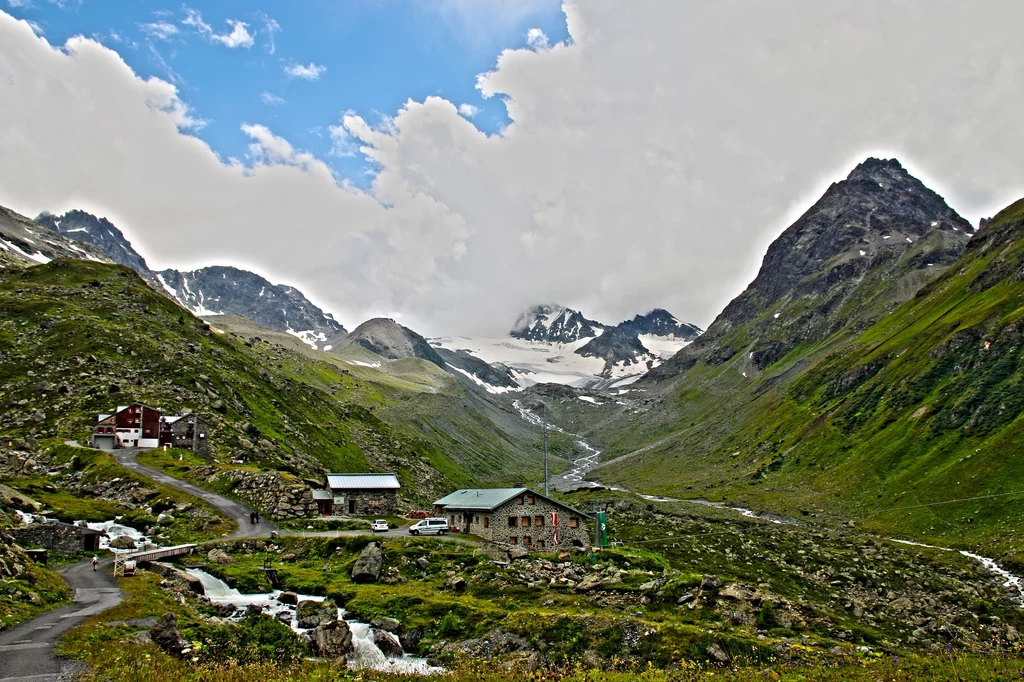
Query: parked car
(431,526)
(380,526)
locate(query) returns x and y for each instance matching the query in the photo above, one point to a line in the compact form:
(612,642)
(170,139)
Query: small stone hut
(356,494)
(518,516)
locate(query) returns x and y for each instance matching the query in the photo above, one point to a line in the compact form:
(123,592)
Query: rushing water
(581,466)
(111,529)
(366,655)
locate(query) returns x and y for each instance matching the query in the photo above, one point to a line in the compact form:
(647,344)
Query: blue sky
(372,56)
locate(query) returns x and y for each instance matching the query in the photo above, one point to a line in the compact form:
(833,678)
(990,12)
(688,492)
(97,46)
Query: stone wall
(57,537)
(268,493)
(498,530)
(368,502)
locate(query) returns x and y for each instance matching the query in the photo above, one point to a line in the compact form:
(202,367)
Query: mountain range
(615,353)
(215,290)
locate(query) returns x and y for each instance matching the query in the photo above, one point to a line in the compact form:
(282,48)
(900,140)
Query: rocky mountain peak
(101,233)
(867,245)
(661,322)
(554,324)
(388,339)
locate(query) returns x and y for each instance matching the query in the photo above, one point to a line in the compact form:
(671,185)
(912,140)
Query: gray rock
(518,553)
(386,624)
(368,566)
(717,653)
(332,640)
(311,614)
(288,598)
(710,582)
(455,584)
(387,643)
(422,563)
(165,634)
(122,542)
(219,556)
(685,599)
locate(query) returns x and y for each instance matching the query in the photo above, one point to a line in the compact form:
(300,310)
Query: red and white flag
(554,524)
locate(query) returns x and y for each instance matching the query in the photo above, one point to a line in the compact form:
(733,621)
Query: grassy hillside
(920,408)
(78,338)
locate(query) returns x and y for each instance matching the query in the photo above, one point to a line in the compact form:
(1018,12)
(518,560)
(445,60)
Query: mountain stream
(573,479)
(365,653)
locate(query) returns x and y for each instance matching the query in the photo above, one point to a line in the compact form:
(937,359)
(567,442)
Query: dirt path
(26,651)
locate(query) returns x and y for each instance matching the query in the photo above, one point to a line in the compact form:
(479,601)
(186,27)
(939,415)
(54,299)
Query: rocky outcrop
(310,614)
(219,556)
(269,492)
(333,640)
(177,579)
(369,564)
(165,634)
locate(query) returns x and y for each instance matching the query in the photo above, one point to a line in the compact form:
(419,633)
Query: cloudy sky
(448,162)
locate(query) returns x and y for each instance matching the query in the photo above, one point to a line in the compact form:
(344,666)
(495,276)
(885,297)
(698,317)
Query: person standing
(95,562)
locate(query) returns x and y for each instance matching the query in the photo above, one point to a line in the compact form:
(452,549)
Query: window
(487,522)
(526,522)
(530,500)
(574,522)
(527,540)
(513,521)
(519,500)
(538,521)
(540,543)
(374,503)
(513,540)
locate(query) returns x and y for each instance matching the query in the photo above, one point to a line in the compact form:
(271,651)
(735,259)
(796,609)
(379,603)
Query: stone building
(355,494)
(186,432)
(518,516)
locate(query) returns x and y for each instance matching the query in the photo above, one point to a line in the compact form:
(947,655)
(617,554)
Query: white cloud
(649,161)
(309,73)
(161,30)
(536,39)
(194,18)
(19,3)
(239,35)
(271,99)
(468,110)
(271,28)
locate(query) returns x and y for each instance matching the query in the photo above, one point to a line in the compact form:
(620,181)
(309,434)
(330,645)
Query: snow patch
(308,336)
(588,399)
(497,390)
(360,363)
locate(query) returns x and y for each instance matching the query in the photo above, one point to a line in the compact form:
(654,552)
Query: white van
(430,526)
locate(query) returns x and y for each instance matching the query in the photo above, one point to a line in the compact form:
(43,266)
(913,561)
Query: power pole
(545,460)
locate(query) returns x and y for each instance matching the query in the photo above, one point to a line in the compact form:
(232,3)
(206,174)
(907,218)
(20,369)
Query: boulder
(518,553)
(311,614)
(288,598)
(332,640)
(717,653)
(422,563)
(386,624)
(219,556)
(368,565)
(456,583)
(387,643)
(122,542)
(165,634)
(710,582)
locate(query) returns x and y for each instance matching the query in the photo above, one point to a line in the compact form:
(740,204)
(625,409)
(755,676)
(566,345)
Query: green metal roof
(490,498)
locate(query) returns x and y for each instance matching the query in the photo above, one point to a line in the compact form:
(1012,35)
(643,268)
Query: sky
(450,162)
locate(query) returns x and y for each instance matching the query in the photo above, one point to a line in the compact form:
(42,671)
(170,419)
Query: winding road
(128,458)
(26,650)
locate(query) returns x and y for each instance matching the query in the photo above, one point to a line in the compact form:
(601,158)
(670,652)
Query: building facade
(517,516)
(358,494)
(130,426)
(186,432)
(142,426)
